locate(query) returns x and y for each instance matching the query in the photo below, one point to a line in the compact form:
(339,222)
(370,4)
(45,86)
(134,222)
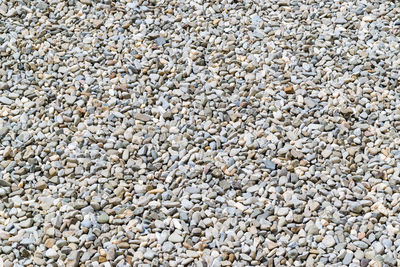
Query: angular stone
(4,130)
(97,23)
(70,99)
(26,223)
(329,241)
(142,117)
(40,185)
(269,164)
(175,238)
(4,183)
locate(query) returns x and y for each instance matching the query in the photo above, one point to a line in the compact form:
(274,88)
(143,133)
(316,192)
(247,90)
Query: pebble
(270,165)
(4,86)
(188,205)
(26,223)
(361,244)
(149,254)
(51,253)
(142,117)
(387,243)
(329,241)
(5,100)
(167,247)
(4,183)
(88,223)
(6,249)
(102,218)
(70,99)
(378,247)
(355,207)
(283,211)
(4,130)
(175,238)
(348,258)
(364,262)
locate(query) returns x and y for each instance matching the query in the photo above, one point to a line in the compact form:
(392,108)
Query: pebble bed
(199,133)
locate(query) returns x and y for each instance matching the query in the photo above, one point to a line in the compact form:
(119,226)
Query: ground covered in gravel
(199,133)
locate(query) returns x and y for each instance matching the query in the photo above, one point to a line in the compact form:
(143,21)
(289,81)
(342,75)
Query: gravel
(199,133)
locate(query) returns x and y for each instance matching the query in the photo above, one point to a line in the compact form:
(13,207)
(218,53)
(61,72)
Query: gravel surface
(199,133)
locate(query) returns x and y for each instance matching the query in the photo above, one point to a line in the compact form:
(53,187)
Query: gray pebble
(348,258)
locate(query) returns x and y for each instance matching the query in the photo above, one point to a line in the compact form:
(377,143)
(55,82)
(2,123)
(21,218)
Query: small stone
(282,211)
(167,247)
(73,258)
(149,254)
(41,185)
(87,223)
(97,23)
(26,241)
(167,115)
(310,102)
(50,242)
(283,2)
(390,260)
(192,253)
(142,117)
(387,243)
(355,207)
(370,254)
(70,99)
(26,223)
(348,258)
(63,69)
(326,153)
(79,204)
(103,218)
(271,245)
(51,253)
(341,20)
(368,18)
(5,100)
(175,238)
(160,41)
(359,254)
(329,241)
(293,253)
(188,205)
(156,191)
(364,262)
(289,90)
(360,244)
(61,243)
(313,230)
(4,130)
(6,249)
(4,235)
(39,261)
(4,86)
(4,183)
(111,254)
(269,164)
